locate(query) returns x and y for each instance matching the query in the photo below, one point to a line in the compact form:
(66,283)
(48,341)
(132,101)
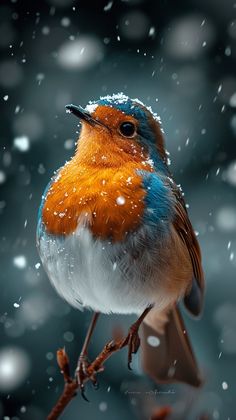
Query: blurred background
(178,57)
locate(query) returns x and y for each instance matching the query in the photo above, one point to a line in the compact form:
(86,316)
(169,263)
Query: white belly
(100,275)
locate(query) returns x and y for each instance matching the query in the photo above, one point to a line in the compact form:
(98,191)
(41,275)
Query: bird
(114,236)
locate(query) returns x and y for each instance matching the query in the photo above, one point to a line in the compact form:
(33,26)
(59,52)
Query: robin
(114,236)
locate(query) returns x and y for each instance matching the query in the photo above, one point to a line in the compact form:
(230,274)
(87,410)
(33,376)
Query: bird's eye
(127,129)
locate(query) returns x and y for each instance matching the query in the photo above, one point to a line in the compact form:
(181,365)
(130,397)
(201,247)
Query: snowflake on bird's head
(125,104)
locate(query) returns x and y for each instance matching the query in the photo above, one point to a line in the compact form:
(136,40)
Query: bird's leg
(132,340)
(83,362)
(86,371)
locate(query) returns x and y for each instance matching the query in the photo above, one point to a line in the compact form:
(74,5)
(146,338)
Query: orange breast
(99,187)
(109,201)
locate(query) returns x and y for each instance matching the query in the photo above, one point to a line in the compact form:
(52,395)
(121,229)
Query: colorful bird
(114,236)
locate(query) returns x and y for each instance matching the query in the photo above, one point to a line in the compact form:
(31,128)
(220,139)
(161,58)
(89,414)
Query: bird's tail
(167,355)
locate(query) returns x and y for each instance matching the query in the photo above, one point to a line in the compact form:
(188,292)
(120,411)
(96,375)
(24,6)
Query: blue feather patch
(159,202)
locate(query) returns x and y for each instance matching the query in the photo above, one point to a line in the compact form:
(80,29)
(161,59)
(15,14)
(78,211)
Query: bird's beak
(79,112)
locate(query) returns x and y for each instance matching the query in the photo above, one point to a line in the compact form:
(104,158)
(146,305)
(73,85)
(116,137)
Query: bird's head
(117,128)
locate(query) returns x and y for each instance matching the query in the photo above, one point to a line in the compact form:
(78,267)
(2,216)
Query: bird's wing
(173,359)
(194,299)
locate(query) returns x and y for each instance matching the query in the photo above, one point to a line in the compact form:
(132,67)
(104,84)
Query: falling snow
(153,341)
(224,386)
(120,200)
(91,107)
(22,143)
(20,261)
(108,6)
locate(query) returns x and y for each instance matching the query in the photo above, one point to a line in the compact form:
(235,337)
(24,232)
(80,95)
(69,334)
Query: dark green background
(191,86)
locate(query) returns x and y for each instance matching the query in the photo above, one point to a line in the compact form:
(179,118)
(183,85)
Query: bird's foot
(133,342)
(83,375)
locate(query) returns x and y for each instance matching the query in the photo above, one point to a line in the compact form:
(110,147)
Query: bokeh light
(226,218)
(189,37)
(82,53)
(14,368)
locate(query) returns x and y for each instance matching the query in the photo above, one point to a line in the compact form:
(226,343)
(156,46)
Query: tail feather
(173,359)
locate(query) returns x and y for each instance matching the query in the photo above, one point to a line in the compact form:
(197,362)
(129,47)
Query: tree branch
(72,385)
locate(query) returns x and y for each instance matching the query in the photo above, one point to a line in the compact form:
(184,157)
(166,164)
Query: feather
(194,299)
(173,359)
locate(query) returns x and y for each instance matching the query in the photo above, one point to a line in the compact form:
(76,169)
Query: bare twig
(72,385)
(108,350)
(69,392)
(63,363)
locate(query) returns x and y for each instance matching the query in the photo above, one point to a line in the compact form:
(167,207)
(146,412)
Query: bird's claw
(133,342)
(82,392)
(82,374)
